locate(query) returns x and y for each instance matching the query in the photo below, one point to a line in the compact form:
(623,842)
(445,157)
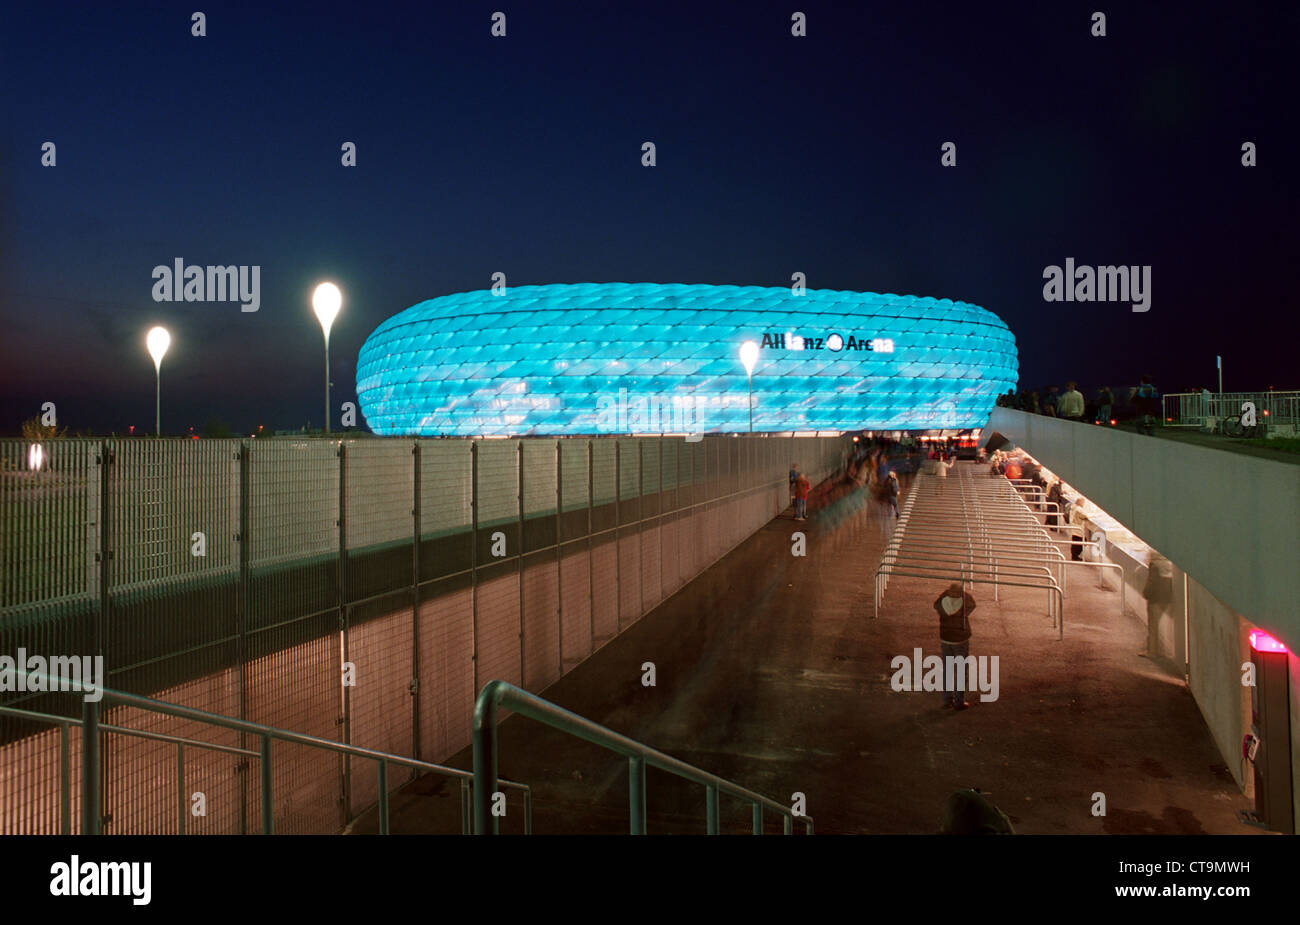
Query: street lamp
(749,356)
(326,301)
(157,340)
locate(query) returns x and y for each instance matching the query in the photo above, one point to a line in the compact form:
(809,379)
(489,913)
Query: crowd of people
(1139,403)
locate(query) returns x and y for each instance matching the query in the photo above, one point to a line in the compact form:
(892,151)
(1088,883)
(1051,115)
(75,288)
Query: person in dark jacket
(954,607)
(1147,401)
(891,492)
(1104,401)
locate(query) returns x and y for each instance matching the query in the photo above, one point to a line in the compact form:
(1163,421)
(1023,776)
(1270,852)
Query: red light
(1265,412)
(1261,641)
(1112,422)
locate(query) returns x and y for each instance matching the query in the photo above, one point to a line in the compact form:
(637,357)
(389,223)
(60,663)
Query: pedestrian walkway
(771,670)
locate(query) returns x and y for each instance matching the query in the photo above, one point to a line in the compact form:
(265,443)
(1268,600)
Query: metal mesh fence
(360,590)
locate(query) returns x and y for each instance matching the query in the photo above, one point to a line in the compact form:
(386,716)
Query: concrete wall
(1231,521)
(1231,526)
(1218,643)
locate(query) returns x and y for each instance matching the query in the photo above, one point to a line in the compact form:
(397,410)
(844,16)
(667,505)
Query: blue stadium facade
(595,358)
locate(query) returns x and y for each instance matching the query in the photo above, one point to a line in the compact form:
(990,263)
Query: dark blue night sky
(522,155)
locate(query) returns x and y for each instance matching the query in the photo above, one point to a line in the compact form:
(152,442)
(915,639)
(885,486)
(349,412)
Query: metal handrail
(1010,584)
(65,762)
(503,695)
(90,763)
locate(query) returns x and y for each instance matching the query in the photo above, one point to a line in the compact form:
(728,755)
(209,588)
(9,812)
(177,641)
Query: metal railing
(91,782)
(1197,409)
(970,523)
(501,695)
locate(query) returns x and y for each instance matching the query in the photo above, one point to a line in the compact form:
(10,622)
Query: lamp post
(157,340)
(326,301)
(749,356)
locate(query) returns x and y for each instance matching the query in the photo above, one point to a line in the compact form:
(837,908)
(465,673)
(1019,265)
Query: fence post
(415,599)
(640,526)
(662,595)
(591,563)
(618,536)
(345,699)
(97,772)
(473,557)
(90,818)
(559,553)
(242,619)
(519,553)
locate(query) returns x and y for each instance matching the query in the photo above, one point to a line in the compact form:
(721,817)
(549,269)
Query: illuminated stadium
(594,358)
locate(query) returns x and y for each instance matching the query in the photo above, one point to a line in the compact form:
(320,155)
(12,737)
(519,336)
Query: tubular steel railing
(501,695)
(91,782)
(968,524)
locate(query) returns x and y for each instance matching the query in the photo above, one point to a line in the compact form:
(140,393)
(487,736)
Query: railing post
(65,781)
(636,793)
(528,812)
(711,826)
(268,812)
(484,734)
(90,818)
(180,788)
(466,814)
(758,818)
(383,796)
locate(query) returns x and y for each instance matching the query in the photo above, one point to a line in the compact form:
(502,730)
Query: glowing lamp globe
(749,356)
(326,302)
(157,340)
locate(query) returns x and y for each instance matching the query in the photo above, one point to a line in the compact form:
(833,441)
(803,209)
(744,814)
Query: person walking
(1054,498)
(794,477)
(1147,401)
(1050,402)
(1159,594)
(1070,405)
(954,607)
(801,488)
(891,492)
(1075,517)
(1105,400)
